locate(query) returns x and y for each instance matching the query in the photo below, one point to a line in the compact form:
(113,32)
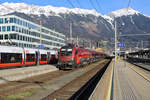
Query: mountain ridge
(88,25)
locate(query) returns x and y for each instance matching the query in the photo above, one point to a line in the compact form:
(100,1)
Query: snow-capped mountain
(123,12)
(6,8)
(130,21)
(86,23)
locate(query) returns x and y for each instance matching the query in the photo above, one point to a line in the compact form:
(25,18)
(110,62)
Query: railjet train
(71,56)
(17,56)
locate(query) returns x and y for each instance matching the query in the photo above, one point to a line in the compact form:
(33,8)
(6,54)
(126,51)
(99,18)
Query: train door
(24,57)
(37,54)
(48,56)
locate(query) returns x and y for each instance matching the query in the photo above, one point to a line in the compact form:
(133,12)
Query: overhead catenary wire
(79,3)
(99,6)
(83,13)
(92,4)
(71,3)
(129,2)
(70,25)
(79,11)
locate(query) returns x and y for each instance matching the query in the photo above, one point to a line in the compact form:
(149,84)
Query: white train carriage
(17,56)
(11,56)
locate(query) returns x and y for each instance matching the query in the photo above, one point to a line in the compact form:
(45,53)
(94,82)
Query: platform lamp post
(116,42)
(40,32)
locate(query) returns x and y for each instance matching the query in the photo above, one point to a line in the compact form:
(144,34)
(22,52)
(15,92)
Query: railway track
(141,65)
(81,87)
(14,87)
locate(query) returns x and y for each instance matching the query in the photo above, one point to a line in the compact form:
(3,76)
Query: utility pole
(115,42)
(90,44)
(40,32)
(71,32)
(77,41)
(142,43)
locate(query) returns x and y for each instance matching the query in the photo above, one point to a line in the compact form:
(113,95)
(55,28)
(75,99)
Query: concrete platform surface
(123,81)
(130,82)
(103,88)
(7,75)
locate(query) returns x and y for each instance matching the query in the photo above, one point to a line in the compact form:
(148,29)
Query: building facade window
(6,36)
(23,38)
(13,36)
(3,28)
(11,20)
(17,21)
(13,28)
(20,37)
(8,28)
(29,32)
(14,20)
(1,37)
(17,29)
(1,20)
(6,20)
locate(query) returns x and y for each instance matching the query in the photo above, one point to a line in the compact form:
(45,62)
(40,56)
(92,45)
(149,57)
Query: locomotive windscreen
(66,51)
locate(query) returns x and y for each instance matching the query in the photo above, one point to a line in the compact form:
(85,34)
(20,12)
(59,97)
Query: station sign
(41,46)
(121,44)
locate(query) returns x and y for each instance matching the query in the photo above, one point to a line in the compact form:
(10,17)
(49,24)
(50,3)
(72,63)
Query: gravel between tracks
(41,85)
(72,87)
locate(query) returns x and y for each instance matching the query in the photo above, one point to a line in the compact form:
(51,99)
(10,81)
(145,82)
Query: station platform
(14,74)
(123,81)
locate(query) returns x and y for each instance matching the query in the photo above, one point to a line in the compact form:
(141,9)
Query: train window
(69,52)
(76,52)
(43,57)
(66,52)
(11,57)
(30,57)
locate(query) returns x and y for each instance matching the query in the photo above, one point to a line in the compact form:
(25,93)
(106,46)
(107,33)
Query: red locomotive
(71,56)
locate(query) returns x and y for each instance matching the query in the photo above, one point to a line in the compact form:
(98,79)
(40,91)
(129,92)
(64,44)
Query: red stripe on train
(30,63)
(43,62)
(10,64)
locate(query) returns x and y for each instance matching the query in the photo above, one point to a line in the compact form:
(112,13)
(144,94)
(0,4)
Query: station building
(25,33)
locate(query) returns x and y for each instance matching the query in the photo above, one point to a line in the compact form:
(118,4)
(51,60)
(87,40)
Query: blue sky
(103,6)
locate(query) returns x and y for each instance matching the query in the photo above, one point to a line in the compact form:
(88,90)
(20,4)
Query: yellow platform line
(108,96)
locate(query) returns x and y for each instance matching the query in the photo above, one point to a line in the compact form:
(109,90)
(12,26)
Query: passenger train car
(17,56)
(71,56)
